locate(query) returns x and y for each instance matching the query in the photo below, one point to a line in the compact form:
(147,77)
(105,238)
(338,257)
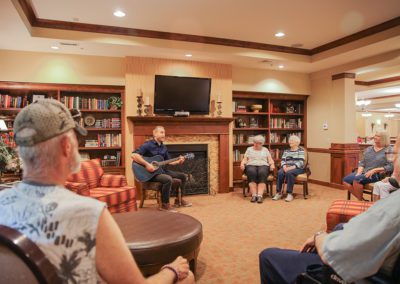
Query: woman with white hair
(257,163)
(370,168)
(292,164)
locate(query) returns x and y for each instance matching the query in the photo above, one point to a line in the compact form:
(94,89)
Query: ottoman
(341,211)
(156,238)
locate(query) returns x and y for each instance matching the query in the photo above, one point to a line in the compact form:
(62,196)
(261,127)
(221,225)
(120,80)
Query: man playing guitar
(156,147)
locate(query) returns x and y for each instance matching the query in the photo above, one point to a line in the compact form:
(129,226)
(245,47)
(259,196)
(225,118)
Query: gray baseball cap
(47,118)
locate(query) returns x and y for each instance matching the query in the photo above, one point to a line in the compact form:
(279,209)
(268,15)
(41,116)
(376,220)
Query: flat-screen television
(172,93)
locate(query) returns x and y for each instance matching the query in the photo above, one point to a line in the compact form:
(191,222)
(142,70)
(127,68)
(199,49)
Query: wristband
(173,270)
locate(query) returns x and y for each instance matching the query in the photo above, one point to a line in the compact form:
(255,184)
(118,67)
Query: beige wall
(140,76)
(331,102)
(257,80)
(39,67)
(364,125)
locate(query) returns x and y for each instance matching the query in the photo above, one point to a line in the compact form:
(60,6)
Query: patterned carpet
(235,230)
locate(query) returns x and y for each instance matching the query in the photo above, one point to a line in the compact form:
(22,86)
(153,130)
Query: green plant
(115,101)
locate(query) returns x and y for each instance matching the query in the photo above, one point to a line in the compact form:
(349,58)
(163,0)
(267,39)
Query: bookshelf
(278,117)
(104,122)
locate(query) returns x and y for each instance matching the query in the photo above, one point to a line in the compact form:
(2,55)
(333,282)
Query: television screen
(174,93)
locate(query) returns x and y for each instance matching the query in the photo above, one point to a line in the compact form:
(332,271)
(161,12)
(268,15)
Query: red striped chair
(112,189)
(341,211)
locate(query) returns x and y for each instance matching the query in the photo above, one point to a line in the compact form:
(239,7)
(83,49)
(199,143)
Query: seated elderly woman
(292,164)
(257,163)
(383,188)
(370,168)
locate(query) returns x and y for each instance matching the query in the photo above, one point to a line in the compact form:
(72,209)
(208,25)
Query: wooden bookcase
(281,115)
(91,100)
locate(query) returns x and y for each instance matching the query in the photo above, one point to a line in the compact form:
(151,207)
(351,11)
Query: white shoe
(289,197)
(277,196)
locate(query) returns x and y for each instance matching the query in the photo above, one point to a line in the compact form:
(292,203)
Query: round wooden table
(156,238)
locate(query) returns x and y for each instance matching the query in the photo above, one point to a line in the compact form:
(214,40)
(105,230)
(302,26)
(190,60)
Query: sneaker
(259,199)
(253,198)
(167,207)
(289,197)
(183,203)
(277,196)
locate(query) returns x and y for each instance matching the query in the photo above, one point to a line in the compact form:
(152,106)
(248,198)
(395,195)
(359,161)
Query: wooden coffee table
(156,238)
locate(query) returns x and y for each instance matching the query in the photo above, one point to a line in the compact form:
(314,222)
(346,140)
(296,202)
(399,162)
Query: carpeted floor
(236,231)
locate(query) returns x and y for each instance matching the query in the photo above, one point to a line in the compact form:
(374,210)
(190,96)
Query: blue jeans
(362,179)
(290,178)
(257,174)
(282,266)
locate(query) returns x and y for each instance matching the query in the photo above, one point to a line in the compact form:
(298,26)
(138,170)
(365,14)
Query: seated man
(356,252)
(77,234)
(156,147)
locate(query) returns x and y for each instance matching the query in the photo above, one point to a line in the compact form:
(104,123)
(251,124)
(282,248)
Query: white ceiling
(309,22)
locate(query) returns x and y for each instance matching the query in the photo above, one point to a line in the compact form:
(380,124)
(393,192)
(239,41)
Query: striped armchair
(112,189)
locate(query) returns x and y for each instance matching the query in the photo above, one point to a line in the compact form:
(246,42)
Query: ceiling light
(388,115)
(119,14)
(188,55)
(363,102)
(54,47)
(280,34)
(281,66)
(397,105)
(366,114)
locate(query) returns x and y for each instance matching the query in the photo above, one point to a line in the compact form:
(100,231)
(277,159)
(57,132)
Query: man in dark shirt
(155,147)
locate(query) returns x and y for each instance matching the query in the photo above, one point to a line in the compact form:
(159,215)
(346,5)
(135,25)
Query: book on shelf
(109,161)
(237,156)
(283,137)
(279,122)
(85,103)
(276,154)
(108,123)
(104,140)
(7,101)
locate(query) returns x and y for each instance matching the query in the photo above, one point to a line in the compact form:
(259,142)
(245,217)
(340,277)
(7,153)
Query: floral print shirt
(62,224)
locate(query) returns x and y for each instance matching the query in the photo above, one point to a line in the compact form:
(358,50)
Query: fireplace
(193,130)
(196,169)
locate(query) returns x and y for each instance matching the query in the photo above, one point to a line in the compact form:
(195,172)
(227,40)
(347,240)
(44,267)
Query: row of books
(85,103)
(276,154)
(237,155)
(111,160)
(286,123)
(104,140)
(7,101)
(283,137)
(114,122)
(243,138)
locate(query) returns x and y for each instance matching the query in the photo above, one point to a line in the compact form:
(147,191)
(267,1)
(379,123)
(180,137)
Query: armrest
(113,181)
(77,187)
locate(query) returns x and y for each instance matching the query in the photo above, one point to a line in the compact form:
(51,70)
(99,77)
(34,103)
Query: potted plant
(9,160)
(114,103)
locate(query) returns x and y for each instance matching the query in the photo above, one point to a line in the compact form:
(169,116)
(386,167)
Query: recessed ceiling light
(119,14)
(397,105)
(54,47)
(188,55)
(388,115)
(280,66)
(280,34)
(366,114)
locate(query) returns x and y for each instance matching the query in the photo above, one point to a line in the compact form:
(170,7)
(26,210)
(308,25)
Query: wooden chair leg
(142,192)
(305,185)
(348,195)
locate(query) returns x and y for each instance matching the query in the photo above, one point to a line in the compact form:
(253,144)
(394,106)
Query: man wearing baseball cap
(77,234)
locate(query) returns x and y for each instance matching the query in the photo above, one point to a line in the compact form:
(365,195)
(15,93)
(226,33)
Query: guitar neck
(166,162)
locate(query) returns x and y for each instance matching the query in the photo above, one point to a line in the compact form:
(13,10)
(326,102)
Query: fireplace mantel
(143,126)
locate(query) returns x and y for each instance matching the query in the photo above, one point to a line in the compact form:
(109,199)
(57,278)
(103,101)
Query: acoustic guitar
(143,175)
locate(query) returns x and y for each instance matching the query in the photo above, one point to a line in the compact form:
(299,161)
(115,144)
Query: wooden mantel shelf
(169,119)
(143,127)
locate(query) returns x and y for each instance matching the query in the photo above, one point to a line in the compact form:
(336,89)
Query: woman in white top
(257,163)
